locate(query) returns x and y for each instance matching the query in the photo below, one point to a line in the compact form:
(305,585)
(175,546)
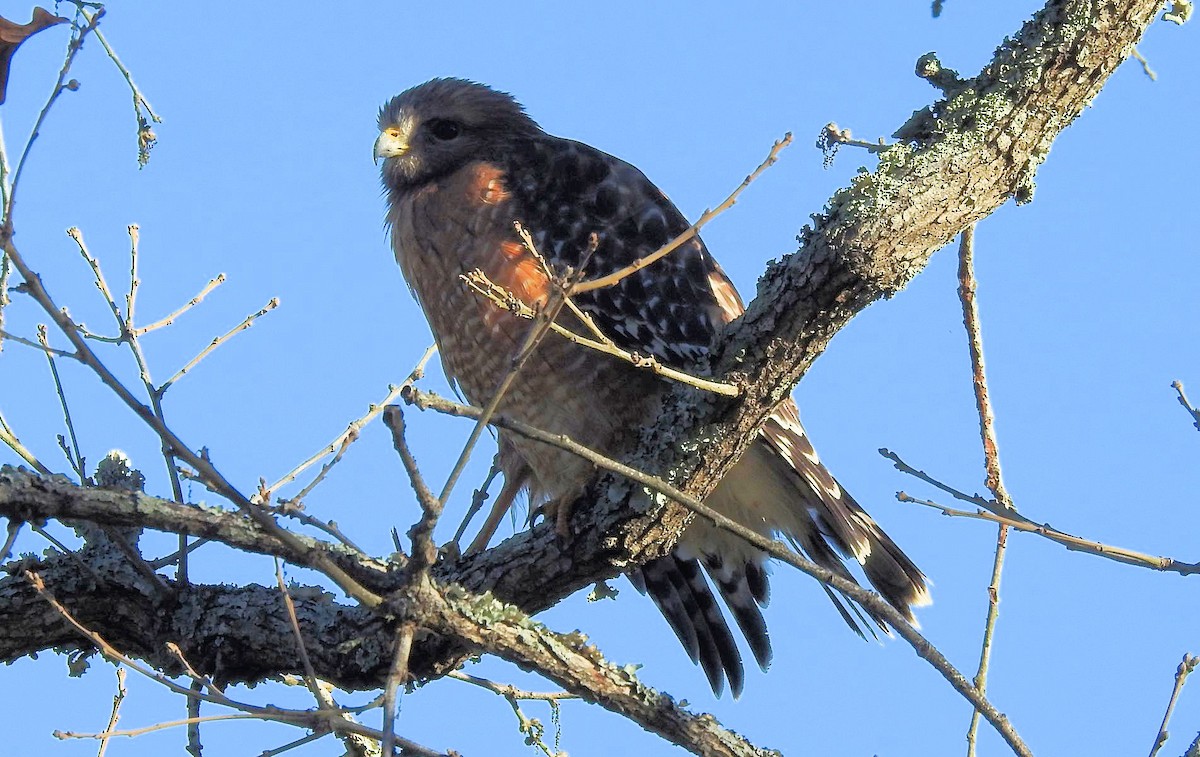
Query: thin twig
(1145,65)
(832,137)
(10,438)
(478,282)
(1044,529)
(508,690)
(74,456)
(705,217)
(424,555)
(146,136)
(292,745)
(194,747)
(138,97)
(293,508)
(477,499)
(212,477)
(868,599)
(128,335)
(353,429)
(991,457)
(5,335)
(246,323)
(1183,400)
(170,319)
(13,528)
(205,683)
(354,742)
(396,675)
(537,331)
(321,720)
(60,85)
(70,553)
(424,551)
(75,233)
(118,698)
(134,280)
(310,675)
(134,732)
(138,562)
(1181,673)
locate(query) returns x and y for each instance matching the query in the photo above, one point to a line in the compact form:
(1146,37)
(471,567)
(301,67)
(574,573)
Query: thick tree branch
(246,634)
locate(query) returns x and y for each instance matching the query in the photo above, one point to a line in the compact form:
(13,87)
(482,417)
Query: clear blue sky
(1089,300)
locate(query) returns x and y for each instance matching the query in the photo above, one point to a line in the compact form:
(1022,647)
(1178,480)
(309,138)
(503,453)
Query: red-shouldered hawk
(461,163)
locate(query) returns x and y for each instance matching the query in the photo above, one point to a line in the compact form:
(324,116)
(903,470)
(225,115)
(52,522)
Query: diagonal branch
(991,458)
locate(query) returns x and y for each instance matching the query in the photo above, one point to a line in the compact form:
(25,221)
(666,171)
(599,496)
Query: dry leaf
(12,35)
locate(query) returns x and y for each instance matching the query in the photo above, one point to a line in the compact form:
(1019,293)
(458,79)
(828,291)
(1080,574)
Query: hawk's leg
(560,509)
(502,505)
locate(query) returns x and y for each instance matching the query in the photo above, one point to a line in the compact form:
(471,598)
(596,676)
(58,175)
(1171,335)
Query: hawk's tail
(779,487)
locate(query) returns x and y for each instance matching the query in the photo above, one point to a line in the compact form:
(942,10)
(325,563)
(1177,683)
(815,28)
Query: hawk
(461,163)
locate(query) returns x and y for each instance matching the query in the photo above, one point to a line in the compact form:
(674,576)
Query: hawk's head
(436,127)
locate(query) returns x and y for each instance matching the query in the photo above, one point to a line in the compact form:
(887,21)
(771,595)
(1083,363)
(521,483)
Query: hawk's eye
(445,130)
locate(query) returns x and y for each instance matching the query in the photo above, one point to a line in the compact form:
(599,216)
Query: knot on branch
(947,80)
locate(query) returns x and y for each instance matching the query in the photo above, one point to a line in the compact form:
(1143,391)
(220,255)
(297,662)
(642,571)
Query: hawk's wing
(567,191)
(673,310)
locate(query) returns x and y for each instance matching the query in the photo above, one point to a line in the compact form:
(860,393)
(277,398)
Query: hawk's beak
(390,144)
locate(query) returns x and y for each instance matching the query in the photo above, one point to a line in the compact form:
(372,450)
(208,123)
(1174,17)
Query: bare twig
(212,477)
(868,599)
(13,529)
(355,743)
(138,562)
(170,319)
(424,551)
(537,331)
(296,744)
(293,508)
(705,217)
(478,498)
(74,456)
(1074,543)
(70,553)
(832,137)
(1181,673)
(203,681)
(424,554)
(246,323)
(146,136)
(350,435)
(134,280)
(1183,400)
(321,720)
(310,675)
(532,728)
(129,336)
(194,747)
(479,283)
(508,690)
(60,85)
(5,266)
(1145,65)
(10,438)
(134,732)
(118,698)
(6,335)
(397,674)
(991,457)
